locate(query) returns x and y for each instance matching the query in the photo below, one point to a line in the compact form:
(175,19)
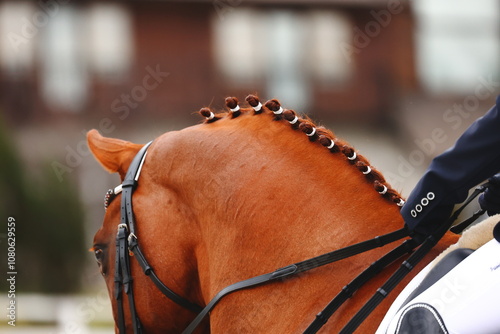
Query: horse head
(246,192)
(161,214)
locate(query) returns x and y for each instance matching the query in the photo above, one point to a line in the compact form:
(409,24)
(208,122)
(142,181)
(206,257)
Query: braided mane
(316,134)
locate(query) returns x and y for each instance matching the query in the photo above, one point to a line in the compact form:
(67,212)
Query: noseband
(127,245)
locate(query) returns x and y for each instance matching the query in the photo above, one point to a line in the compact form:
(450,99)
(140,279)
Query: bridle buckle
(129,239)
(125,226)
(130,236)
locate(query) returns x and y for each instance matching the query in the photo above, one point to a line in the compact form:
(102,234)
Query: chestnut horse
(246,192)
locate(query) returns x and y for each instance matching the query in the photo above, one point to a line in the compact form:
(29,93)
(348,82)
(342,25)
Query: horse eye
(99,255)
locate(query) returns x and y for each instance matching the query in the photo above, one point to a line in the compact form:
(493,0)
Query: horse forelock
(316,135)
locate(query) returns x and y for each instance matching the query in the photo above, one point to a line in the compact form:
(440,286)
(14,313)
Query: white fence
(67,314)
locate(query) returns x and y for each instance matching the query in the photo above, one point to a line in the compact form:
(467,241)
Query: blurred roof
(364,3)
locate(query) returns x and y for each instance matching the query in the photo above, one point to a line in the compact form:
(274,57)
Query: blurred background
(399,80)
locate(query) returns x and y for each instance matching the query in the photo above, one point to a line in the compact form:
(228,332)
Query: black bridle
(127,244)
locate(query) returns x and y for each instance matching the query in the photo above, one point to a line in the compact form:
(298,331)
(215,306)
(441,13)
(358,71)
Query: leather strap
(126,241)
(428,243)
(123,279)
(347,291)
(123,276)
(390,284)
(459,228)
(297,268)
(148,270)
(118,288)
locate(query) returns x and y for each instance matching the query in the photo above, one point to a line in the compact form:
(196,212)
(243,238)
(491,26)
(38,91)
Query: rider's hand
(490,199)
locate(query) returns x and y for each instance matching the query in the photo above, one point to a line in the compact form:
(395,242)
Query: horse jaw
(114,155)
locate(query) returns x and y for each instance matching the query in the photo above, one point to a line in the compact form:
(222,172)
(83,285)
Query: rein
(127,245)
(300,267)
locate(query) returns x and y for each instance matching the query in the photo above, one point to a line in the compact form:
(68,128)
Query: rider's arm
(474,157)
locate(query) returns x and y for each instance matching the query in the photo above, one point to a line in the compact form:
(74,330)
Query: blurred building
(337,59)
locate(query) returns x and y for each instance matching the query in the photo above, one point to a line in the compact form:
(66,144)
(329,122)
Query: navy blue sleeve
(474,158)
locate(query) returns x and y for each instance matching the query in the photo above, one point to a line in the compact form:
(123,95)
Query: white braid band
(293,121)
(332,144)
(401,202)
(211,116)
(353,156)
(368,170)
(258,107)
(383,192)
(235,108)
(279,111)
(313,132)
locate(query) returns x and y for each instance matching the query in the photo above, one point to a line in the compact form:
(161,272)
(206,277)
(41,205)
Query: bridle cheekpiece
(127,245)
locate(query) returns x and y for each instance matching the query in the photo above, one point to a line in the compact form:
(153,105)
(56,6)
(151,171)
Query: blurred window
(239,45)
(457,43)
(64,79)
(328,31)
(18,33)
(286,72)
(69,43)
(287,49)
(109,40)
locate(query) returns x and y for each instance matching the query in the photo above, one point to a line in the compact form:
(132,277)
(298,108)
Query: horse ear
(114,155)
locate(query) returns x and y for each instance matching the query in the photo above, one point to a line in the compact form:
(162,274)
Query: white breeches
(467,298)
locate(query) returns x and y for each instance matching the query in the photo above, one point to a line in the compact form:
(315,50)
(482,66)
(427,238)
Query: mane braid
(350,153)
(315,134)
(232,104)
(327,139)
(292,118)
(275,106)
(254,102)
(329,143)
(209,115)
(309,129)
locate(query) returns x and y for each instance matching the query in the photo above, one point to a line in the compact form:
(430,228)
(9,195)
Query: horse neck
(259,190)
